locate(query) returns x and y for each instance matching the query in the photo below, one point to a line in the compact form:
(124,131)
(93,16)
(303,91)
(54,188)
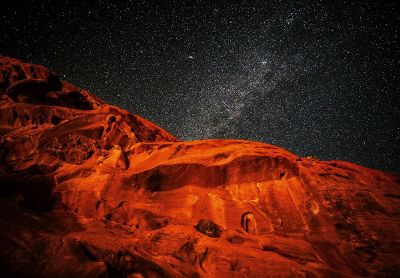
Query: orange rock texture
(90,190)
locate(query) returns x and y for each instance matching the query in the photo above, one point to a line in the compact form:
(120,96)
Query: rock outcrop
(88,189)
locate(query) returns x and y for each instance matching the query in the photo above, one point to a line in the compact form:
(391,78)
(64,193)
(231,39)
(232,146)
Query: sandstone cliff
(88,189)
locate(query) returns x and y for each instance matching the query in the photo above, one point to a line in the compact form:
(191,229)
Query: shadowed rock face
(88,189)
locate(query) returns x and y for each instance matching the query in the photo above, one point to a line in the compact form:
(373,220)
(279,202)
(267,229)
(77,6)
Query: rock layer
(89,189)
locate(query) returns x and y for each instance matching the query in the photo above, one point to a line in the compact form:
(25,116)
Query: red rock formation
(88,189)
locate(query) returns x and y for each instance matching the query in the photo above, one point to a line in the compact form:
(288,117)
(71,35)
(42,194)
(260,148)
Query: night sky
(319,79)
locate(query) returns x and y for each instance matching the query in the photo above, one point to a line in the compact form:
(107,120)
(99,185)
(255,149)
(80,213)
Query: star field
(318,79)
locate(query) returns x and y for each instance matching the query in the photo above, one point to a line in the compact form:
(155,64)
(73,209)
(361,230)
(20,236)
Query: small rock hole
(90,154)
(55,120)
(15,115)
(249,223)
(208,228)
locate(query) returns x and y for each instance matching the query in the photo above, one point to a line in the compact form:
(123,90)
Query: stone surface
(88,189)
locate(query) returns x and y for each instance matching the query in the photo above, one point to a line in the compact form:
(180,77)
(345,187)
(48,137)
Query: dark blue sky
(319,79)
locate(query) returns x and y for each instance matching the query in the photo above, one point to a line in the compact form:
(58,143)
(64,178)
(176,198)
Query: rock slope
(88,189)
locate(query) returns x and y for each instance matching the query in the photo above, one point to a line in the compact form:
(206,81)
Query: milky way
(319,79)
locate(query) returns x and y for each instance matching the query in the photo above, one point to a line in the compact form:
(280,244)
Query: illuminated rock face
(88,189)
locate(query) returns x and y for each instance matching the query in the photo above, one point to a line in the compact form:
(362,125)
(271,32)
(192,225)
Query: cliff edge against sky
(88,189)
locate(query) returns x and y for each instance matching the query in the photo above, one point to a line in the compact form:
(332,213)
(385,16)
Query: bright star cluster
(319,78)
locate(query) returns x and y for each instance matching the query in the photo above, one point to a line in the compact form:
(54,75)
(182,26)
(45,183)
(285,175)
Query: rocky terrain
(90,190)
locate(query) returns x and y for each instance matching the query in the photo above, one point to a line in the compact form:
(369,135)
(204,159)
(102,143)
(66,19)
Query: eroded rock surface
(88,189)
